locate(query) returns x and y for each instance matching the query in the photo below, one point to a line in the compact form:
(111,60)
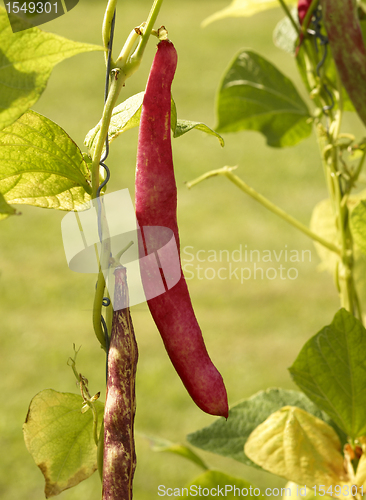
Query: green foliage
(216,481)
(26,62)
(163,445)
(228,438)
(126,116)
(330,370)
(181,127)
(41,165)
(255,95)
(60,439)
(299,447)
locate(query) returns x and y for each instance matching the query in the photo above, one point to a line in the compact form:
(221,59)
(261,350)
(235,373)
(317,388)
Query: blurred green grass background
(253,330)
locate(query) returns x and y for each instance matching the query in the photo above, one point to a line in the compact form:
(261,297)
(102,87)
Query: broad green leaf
(227,438)
(331,371)
(60,439)
(358,225)
(5,209)
(124,117)
(127,115)
(159,445)
(26,62)
(40,165)
(295,445)
(255,95)
(215,484)
(241,8)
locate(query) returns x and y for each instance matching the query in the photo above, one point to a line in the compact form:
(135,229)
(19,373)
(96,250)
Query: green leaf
(124,117)
(181,127)
(127,115)
(228,438)
(331,371)
(241,8)
(216,484)
(40,165)
(159,445)
(26,62)
(5,209)
(358,225)
(184,126)
(255,95)
(60,439)
(295,445)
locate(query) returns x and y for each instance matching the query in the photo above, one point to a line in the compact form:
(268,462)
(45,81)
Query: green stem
(107,23)
(339,192)
(126,50)
(121,252)
(95,423)
(97,309)
(100,451)
(308,15)
(289,15)
(226,171)
(118,81)
(137,55)
(359,167)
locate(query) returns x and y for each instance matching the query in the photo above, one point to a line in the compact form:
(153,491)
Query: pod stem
(119,457)
(137,55)
(227,172)
(289,15)
(107,24)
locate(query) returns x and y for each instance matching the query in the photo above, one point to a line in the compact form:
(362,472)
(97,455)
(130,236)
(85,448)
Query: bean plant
(315,438)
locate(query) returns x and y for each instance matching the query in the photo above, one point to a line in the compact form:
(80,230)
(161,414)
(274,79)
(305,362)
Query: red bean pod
(156,205)
(302,8)
(348,49)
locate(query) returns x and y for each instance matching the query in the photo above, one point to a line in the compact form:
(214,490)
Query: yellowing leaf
(299,447)
(294,491)
(40,165)
(241,8)
(361,472)
(60,439)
